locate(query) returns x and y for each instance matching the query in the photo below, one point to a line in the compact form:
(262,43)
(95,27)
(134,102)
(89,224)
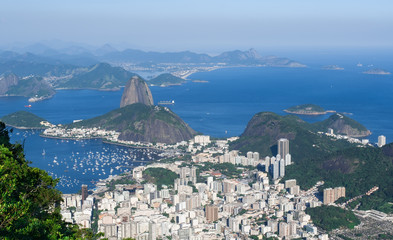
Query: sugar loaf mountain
(138,119)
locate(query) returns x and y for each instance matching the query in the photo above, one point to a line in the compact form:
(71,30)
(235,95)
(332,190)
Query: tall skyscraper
(84,192)
(283,147)
(267,164)
(288,159)
(381,141)
(282,168)
(276,170)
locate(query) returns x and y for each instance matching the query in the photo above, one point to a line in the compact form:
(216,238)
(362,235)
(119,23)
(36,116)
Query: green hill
(330,217)
(343,125)
(318,157)
(166,79)
(101,76)
(265,128)
(31,87)
(139,122)
(23,119)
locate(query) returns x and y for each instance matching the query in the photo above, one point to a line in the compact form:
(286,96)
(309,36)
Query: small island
(377,71)
(25,120)
(332,67)
(166,79)
(307,109)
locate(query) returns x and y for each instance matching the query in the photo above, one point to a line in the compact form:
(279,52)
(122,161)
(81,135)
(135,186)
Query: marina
(77,162)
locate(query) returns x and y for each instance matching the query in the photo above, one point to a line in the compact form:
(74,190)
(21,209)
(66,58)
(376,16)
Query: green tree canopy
(29,202)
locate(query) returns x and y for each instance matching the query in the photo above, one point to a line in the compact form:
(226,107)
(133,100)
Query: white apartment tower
(381,141)
(283,147)
(282,168)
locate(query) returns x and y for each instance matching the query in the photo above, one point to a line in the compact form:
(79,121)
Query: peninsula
(136,122)
(35,88)
(25,120)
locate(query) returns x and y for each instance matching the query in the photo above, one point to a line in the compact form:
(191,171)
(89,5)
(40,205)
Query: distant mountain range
(250,57)
(100,76)
(79,56)
(44,69)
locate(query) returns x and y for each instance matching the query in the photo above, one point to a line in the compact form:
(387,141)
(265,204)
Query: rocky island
(166,79)
(332,67)
(377,71)
(307,109)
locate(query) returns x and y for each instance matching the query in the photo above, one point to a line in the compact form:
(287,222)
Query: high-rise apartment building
(276,170)
(283,147)
(282,168)
(330,195)
(211,213)
(381,141)
(84,192)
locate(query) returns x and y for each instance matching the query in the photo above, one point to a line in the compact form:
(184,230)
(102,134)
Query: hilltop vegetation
(160,176)
(318,157)
(12,85)
(29,202)
(23,119)
(343,125)
(330,217)
(306,109)
(166,79)
(264,129)
(139,122)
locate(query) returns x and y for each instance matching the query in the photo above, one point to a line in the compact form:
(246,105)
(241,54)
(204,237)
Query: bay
(220,108)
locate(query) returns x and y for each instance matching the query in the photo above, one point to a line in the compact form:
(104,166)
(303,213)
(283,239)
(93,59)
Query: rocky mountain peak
(6,81)
(136,91)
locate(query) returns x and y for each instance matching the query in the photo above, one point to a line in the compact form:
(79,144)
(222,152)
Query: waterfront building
(84,192)
(381,141)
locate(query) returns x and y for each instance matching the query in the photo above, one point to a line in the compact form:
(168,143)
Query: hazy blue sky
(200,25)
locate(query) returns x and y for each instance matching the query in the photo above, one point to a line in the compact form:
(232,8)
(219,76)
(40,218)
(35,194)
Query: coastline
(25,128)
(104,140)
(310,113)
(97,89)
(213,68)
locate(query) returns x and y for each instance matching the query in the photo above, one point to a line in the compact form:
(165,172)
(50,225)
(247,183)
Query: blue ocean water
(221,108)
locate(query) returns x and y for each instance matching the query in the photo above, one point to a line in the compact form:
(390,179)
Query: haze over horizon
(200,26)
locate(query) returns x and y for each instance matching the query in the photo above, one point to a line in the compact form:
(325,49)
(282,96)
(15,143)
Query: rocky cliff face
(136,91)
(7,81)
